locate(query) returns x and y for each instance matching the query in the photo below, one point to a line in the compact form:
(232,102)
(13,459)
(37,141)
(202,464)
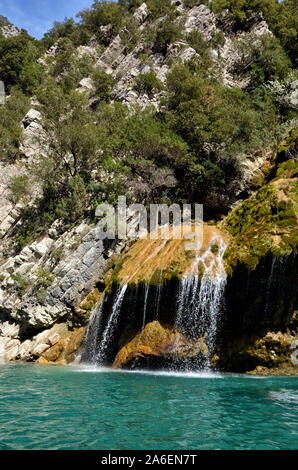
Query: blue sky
(37,16)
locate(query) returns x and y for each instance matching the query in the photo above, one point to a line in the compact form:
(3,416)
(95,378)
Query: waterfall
(199,305)
(92,333)
(269,285)
(112,323)
(145,305)
(157,299)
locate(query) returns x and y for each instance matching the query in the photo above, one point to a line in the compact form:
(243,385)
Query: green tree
(71,130)
(263,57)
(59,30)
(158,8)
(168,31)
(242,10)
(18,65)
(11,115)
(218,123)
(103,13)
(285,27)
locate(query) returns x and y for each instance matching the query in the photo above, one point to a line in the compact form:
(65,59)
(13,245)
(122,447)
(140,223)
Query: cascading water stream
(199,304)
(158,299)
(92,332)
(269,285)
(112,323)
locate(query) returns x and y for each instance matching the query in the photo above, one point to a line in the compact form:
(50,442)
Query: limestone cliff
(50,286)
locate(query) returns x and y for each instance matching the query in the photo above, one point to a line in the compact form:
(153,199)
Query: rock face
(55,344)
(47,280)
(159,346)
(9,30)
(156,259)
(49,289)
(261,354)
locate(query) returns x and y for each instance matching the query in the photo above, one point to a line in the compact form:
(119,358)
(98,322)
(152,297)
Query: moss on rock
(154,261)
(266,222)
(251,352)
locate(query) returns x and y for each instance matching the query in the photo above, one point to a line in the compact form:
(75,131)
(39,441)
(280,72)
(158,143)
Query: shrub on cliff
(241,11)
(204,112)
(219,124)
(148,83)
(103,84)
(11,115)
(167,33)
(159,8)
(262,57)
(60,29)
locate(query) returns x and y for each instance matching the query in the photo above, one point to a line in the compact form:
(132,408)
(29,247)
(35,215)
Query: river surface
(54,407)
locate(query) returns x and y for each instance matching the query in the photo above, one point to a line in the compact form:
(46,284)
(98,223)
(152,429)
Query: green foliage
(22,283)
(285,26)
(263,57)
(282,18)
(193,3)
(218,40)
(59,30)
(44,278)
(58,254)
(103,84)
(4,21)
(18,66)
(168,32)
(218,123)
(197,41)
(130,35)
(11,115)
(131,5)
(160,8)
(240,11)
(71,130)
(19,186)
(109,14)
(148,83)
(68,68)
(63,57)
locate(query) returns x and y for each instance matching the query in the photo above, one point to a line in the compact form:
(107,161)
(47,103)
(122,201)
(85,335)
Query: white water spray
(92,332)
(199,305)
(112,323)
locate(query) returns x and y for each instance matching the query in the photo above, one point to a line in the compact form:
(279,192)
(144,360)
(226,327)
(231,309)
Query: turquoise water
(44,407)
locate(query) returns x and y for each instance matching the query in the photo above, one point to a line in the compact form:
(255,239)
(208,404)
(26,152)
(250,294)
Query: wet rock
(55,352)
(66,349)
(162,342)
